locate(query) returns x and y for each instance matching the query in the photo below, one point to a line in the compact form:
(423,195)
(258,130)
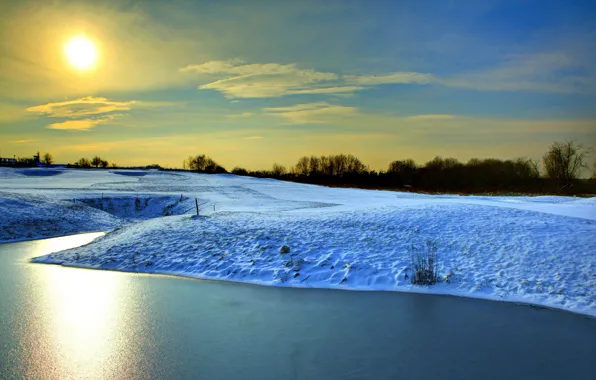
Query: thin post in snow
(102,195)
(197,204)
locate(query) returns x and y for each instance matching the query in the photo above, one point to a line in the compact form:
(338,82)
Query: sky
(251,83)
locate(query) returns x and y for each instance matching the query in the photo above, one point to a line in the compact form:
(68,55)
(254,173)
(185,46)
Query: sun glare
(81,53)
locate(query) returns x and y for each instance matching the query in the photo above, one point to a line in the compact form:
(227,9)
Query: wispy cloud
(275,80)
(75,125)
(432,117)
(312,113)
(393,78)
(329,90)
(549,72)
(545,72)
(86,106)
(83,124)
(238,67)
(23,141)
(88,112)
(260,80)
(442,129)
(241,115)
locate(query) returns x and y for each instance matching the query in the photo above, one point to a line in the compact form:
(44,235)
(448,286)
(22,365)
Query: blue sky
(256,82)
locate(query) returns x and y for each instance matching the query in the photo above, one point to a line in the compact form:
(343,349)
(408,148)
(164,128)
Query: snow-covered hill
(539,250)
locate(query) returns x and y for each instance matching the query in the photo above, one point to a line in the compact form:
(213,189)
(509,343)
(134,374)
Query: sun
(81,53)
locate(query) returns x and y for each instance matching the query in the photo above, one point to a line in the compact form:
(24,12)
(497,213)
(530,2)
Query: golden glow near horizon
(81,53)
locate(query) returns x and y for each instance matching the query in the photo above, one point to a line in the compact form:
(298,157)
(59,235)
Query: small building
(34,161)
(8,161)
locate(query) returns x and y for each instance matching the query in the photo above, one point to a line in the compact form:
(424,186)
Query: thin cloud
(275,80)
(241,115)
(313,113)
(432,117)
(23,141)
(329,90)
(88,112)
(267,80)
(299,107)
(260,80)
(82,124)
(548,72)
(535,73)
(86,106)
(393,78)
(237,67)
(75,125)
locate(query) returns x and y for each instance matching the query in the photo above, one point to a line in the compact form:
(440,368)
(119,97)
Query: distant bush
(278,170)
(47,159)
(425,265)
(239,171)
(202,164)
(83,163)
(96,161)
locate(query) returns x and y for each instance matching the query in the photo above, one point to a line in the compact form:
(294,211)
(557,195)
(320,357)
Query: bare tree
(402,167)
(96,161)
(278,170)
(202,164)
(104,164)
(564,161)
(314,165)
(437,163)
(47,159)
(302,166)
(524,167)
(83,163)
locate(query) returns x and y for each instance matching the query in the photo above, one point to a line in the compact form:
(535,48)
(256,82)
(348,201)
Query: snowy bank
(487,252)
(539,250)
(34,216)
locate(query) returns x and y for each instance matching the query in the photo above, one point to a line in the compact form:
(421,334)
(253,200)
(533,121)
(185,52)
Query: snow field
(538,250)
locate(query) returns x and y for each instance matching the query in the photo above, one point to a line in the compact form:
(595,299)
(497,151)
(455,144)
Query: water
(61,323)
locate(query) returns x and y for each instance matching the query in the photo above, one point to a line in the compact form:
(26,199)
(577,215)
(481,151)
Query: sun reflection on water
(85,311)
(85,316)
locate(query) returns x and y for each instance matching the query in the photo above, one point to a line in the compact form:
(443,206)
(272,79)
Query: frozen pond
(58,322)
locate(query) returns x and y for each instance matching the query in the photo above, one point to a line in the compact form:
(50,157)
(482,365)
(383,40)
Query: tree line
(95,162)
(562,165)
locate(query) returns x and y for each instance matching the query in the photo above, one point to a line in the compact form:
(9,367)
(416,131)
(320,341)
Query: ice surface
(538,250)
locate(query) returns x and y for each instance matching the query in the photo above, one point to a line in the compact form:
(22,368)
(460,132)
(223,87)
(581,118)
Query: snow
(536,250)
